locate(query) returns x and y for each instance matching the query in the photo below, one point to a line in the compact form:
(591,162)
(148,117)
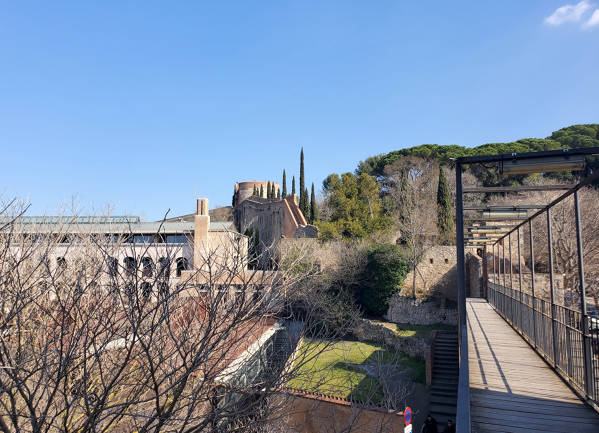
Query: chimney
(202,224)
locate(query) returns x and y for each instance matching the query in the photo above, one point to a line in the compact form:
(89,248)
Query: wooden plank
(512,388)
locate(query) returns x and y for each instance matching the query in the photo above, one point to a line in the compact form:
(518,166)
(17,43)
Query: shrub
(386,269)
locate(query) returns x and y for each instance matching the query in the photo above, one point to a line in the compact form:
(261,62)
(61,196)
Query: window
(142,239)
(146,289)
(148,267)
(61,263)
(130,265)
(113,266)
(176,239)
(165,267)
(446,261)
(182,265)
(431,260)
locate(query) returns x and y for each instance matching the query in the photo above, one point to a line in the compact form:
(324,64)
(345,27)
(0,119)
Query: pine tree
(268,189)
(284,184)
(261,190)
(444,211)
(313,207)
(293,185)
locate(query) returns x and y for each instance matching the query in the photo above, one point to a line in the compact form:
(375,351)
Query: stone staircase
(444,387)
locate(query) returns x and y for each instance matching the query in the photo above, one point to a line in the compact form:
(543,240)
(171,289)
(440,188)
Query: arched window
(182,265)
(113,266)
(148,267)
(165,267)
(130,265)
(146,289)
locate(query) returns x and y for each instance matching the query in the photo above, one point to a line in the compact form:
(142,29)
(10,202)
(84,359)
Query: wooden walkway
(511,388)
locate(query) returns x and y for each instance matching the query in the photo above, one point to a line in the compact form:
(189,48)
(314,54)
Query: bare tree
(103,334)
(413,188)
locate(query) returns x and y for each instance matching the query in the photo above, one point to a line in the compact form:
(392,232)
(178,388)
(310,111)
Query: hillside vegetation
(570,137)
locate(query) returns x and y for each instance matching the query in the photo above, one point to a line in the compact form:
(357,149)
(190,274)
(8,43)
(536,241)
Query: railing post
(589,383)
(520,277)
(512,306)
(503,260)
(552,290)
(461,271)
(532,284)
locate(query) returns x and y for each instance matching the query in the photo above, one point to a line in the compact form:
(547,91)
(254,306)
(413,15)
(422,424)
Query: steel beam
(519,188)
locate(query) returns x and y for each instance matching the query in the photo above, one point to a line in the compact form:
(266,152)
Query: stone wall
(417,312)
(436,275)
(368,331)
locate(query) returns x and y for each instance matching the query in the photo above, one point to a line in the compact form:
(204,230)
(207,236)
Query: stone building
(268,220)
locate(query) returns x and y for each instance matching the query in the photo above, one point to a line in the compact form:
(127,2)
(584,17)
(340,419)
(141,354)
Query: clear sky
(147,105)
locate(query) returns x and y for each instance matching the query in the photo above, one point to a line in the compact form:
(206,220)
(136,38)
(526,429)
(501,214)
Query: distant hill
(569,137)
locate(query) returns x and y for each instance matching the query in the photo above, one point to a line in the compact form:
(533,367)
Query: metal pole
(509,239)
(532,284)
(552,290)
(520,277)
(503,260)
(493,254)
(459,215)
(587,349)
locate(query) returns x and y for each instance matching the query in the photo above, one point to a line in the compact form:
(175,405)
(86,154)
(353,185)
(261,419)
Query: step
(445,400)
(452,393)
(447,382)
(442,409)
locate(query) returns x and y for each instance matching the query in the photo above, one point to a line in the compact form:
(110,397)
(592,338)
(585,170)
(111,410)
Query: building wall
(320,414)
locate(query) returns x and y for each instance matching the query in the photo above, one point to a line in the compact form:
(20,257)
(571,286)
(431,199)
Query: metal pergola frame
(463,412)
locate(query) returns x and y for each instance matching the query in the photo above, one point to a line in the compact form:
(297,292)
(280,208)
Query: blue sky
(145,106)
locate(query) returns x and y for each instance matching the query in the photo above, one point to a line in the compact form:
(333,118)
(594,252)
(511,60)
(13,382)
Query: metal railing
(559,339)
(563,331)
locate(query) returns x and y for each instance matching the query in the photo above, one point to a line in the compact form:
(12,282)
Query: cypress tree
(284,184)
(255,191)
(444,212)
(303,201)
(261,190)
(273,192)
(293,185)
(313,208)
(279,193)
(268,189)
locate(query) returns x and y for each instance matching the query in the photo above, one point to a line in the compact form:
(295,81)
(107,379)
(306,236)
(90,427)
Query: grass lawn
(418,331)
(337,369)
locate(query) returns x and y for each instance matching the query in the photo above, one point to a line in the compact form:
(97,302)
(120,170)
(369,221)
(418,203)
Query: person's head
(429,417)
(449,422)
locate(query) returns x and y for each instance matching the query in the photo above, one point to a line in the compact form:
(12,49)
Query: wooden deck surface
(511,388)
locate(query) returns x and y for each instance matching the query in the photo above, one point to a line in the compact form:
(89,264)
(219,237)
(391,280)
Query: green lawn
(335,370)
(418,331)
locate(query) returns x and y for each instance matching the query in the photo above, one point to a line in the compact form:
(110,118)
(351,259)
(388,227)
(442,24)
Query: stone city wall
(417,312)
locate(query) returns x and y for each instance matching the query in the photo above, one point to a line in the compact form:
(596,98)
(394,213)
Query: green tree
(445,220)
(273,192)
(255,191)
(261,190)
(293,185)
(355,206)
(313,207)
(385,272)
(284,184)
(304,203)
(279,193)
(268,190)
